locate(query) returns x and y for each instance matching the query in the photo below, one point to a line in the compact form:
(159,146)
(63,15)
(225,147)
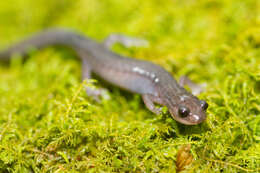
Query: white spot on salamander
(138,70)
(156,80)
(196,117)
(146,73)
(152,75)
(183,97)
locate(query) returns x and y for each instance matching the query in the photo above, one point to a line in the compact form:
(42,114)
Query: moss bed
(49,124)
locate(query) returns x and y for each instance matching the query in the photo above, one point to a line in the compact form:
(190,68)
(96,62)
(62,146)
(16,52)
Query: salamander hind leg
(125,41)
(95,93)
(149,101)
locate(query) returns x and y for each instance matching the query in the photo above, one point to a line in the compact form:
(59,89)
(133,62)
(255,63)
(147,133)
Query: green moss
(48,124)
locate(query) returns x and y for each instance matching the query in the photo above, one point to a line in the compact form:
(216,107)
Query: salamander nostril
(183,111)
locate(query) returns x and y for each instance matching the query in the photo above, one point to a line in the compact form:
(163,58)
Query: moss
(48,124)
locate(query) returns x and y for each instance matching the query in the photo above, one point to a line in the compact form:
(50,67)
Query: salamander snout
(191,113)
(196,118)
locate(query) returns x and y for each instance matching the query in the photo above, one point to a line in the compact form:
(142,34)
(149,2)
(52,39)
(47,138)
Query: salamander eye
(204,105)
(183,111)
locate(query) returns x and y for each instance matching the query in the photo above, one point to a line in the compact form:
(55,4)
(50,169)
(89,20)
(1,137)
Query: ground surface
(48,124)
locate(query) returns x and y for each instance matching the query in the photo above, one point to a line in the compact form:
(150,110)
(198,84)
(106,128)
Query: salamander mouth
(191,119)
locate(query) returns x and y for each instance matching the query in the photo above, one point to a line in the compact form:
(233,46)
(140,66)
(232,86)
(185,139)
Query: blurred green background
(48,124)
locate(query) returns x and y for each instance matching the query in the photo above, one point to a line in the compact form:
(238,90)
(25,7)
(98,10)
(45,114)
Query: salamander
(151,81)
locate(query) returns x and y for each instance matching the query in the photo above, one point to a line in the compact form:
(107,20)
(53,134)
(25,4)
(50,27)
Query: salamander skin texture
(154,83)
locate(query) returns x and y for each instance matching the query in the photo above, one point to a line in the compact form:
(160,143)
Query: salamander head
(189,110)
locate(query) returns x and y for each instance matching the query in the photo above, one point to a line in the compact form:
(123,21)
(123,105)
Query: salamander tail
(43,39)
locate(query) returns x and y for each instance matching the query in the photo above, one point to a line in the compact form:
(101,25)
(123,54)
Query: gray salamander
(154,83)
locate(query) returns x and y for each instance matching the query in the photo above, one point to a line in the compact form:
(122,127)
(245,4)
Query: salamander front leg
(149,101)
(195,88)
(95,93)
(124,40)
